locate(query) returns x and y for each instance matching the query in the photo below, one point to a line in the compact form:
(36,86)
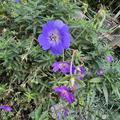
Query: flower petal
(48,27)
(60,88)
(59,116)
(17,1)
(58,23)
(70,97)
(65,70)
(66,37)
(79,77)
(7,108)
(56,66)
(66,112)
(57,49)
(66,40)
(109,58)
(57,89)
(82,69)
(43,41)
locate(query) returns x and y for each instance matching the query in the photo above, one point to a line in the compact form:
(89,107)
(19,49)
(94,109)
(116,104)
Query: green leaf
(105,91)
(2,88)
(96,80)
(80,82)
(67,77)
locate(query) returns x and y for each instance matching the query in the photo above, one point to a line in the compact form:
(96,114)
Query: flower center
(64,92)
(63,65)
(54,36)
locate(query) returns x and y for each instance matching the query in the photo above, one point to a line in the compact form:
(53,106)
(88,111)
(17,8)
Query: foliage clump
(26,70)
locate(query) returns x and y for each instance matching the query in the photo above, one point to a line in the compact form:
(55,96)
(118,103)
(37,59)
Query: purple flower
(80,77)
(6,107)
(59,116)
(81,70)
(65,93)
(100,72)
(81,73)
(75,86)
(55,36)
(66,112)
(17,1)
(109,58)
(64,67)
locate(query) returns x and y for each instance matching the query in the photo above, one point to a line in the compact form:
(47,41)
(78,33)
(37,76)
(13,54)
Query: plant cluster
(54,63)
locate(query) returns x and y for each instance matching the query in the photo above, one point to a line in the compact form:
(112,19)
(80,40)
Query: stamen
(63,65)
(54,36)
(65,92)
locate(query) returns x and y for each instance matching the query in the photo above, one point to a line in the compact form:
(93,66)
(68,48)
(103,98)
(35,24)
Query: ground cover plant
(56,62)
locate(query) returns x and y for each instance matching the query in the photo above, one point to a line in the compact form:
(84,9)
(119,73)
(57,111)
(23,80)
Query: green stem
(63,56)
(72,62)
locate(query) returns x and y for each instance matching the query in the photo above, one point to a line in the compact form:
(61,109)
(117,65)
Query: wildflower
(17,1)
(59,116)
(66,112)
(79,77)
(6,107)
(64,67)
(75,86)
(65,93)
(81,70)
(58,110)
(55,36)
(100,72)
(81,73)
(109,58)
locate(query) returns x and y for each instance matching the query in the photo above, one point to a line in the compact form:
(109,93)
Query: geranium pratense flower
(17,1)
(100,72)
(59,116)
(64,67)
(81,70)
(58,110)
(6,107)
(55,36)
(66,112)
(109,58)
(65,93)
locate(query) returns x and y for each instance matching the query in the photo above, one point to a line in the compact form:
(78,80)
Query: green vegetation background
(26,76)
